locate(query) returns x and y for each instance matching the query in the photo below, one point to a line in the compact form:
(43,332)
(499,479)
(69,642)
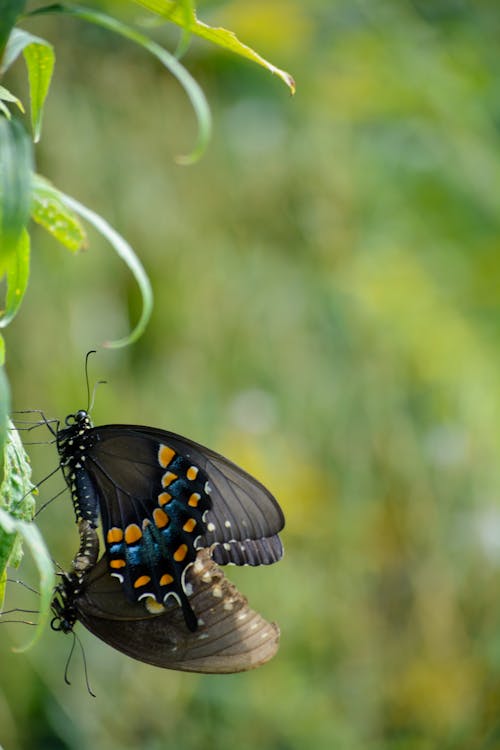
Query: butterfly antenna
(68,660)
(99,382)
(87,682)
(87,357)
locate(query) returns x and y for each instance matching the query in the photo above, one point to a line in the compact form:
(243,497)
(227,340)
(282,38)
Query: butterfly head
(80,418)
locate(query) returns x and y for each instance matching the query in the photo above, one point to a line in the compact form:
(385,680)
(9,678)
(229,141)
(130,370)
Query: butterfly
(230,637)
(161,499)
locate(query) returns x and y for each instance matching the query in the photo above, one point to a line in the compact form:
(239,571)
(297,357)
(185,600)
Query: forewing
(242,508)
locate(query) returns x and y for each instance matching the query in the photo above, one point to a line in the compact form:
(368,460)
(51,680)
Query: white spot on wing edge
(173,595)
(186,586)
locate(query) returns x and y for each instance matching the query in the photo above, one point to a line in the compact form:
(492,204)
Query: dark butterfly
(162,498)
(230,637)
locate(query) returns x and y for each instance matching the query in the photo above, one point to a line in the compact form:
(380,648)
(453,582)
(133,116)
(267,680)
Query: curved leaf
(188,83)
(40,58)
(16,267)
(175,12)
(49,211)
(16,166)
(10,10)
(127,254)
(7,96)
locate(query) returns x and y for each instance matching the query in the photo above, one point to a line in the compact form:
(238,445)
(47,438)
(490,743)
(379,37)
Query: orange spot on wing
(180,553)
(192,472)
(132,533)
(164,498)
(168,478)
(141,581)
(166,579)
(117,564)
(189,525)
(194,499)
(114,535)
(165,455)
(161,518)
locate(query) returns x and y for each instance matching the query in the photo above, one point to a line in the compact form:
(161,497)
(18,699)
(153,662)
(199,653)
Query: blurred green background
(327,314)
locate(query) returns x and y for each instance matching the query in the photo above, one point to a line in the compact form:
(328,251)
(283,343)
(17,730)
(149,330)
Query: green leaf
(175,12)
(39,57)
(188,83)
(49,211)
(5,110)
(6,541)
(16,511)
(16,166)
(6,95)
(16,267)
(125,251)
(17,42)
(2,356)
(31,535)
(4,416)
(3,583)
(10,10)
(16,488)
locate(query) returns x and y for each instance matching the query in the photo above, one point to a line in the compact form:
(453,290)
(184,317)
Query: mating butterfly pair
(172,511)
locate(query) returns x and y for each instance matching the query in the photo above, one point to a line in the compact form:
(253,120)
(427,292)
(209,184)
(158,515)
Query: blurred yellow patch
(299,486)
(436,693)
(281,27)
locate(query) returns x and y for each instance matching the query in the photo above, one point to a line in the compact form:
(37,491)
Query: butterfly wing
(245,518)
(230,636)
(163,497)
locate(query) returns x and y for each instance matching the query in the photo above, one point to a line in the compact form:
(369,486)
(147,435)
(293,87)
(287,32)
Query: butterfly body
(161,499)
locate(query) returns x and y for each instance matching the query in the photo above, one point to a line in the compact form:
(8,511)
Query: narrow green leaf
(40,58)
(125,251)
(6,540)
(3,583)
(175,12)
(4,416)
(2,356)
(10,10)
(7,96)
(16,266)
(49,211)
(17,42)
(188,83)
(16,488)
(185,40)
(5,110)
(16,166)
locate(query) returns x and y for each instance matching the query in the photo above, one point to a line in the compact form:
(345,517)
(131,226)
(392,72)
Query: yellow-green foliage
(326,286)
